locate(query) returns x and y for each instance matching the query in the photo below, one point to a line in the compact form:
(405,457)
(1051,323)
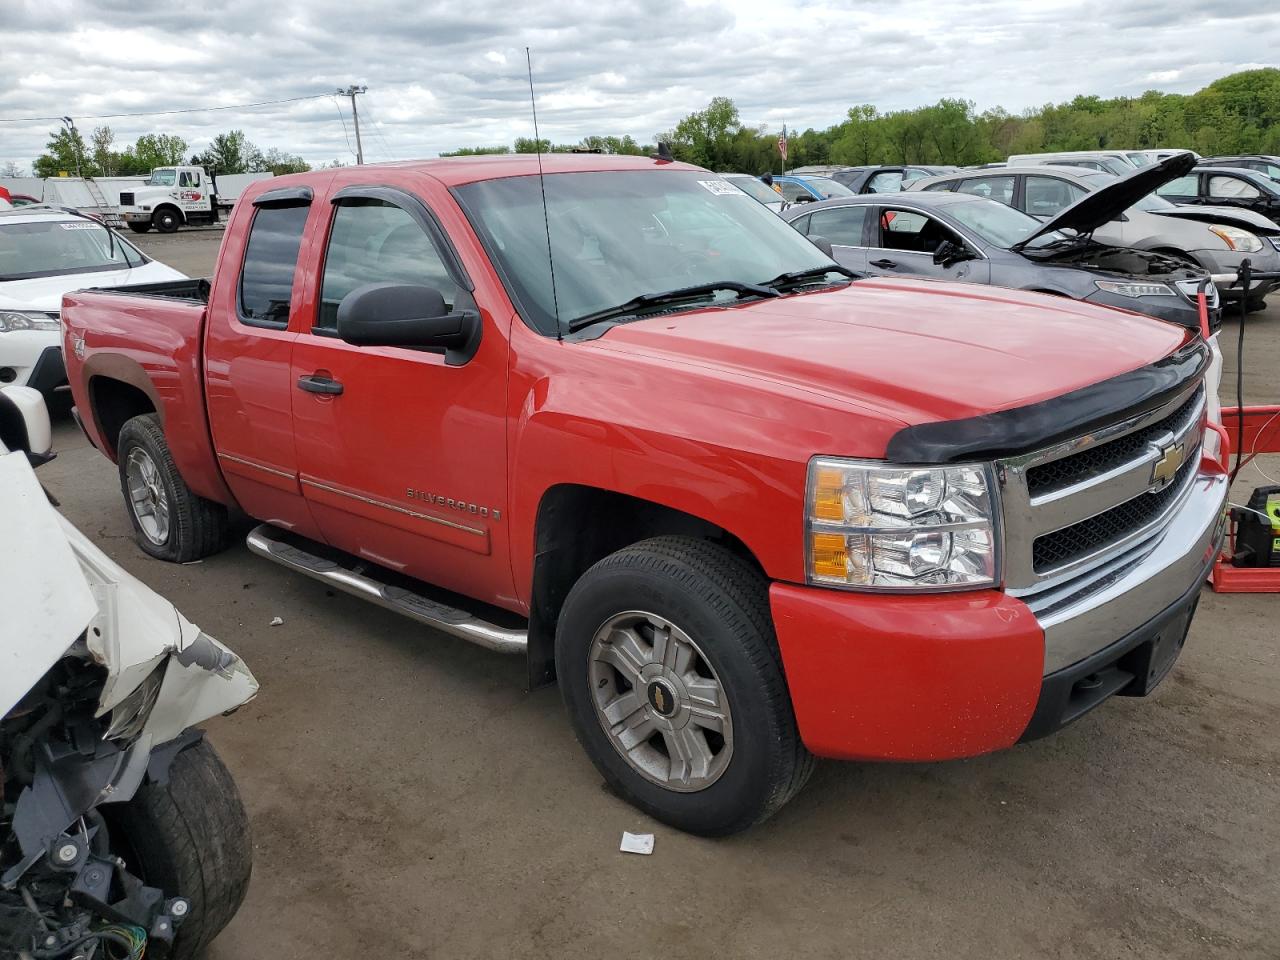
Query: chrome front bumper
(1085,615)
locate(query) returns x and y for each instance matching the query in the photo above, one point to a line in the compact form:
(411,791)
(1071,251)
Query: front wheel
(670,672)
(170,521)
(166,220)
(190,838)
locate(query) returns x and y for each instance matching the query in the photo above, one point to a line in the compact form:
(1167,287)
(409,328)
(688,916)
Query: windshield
(998,224)
(162,178)
(619,235)
(828,187)
(50,248)
(756,188)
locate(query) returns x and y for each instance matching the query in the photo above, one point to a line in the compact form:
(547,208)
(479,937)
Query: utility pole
(75,142)
(351,92)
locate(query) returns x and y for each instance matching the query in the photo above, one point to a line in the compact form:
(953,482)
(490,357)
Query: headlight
(13,320)
(874,526)
(130,715)
(1128,289)
(1237,239)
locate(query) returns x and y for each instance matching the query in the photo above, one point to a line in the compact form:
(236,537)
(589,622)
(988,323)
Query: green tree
(66,153)
(475,151)
(530,145)
(279,163)
(230,152)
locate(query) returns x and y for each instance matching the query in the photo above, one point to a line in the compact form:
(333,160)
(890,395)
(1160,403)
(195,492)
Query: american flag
(782,143)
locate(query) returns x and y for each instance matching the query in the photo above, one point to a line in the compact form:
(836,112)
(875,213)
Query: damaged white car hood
(163,673)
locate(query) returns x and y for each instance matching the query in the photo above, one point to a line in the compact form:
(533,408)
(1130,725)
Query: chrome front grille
(1075,506)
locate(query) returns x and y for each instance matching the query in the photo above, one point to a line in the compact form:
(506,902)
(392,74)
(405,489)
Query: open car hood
(1231,216)
(1102,206)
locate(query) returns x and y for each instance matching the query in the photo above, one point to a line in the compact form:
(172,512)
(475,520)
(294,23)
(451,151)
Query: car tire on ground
(137,227)
(670,672)
(170,522)
(166,220)
(190,838)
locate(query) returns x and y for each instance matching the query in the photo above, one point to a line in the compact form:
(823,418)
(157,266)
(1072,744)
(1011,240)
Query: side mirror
(408,315)
(24,424)
(803,198)
(948,253)
(823,244)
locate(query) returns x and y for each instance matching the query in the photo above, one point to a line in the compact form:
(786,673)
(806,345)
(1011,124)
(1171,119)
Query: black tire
(137,227)
(167,220)
(197,527)
(189,838)
(721,602)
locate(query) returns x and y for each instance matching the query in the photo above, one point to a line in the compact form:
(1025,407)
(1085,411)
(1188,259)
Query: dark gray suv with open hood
(960,236)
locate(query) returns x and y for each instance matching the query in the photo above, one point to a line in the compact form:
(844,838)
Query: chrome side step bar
(267,541)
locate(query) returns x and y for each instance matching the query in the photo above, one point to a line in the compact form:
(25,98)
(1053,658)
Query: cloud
(442,74)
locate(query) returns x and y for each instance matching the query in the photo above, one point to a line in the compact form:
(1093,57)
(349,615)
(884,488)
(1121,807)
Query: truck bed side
(134,350)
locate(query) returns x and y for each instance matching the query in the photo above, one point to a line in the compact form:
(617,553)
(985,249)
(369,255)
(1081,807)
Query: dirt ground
(410,799)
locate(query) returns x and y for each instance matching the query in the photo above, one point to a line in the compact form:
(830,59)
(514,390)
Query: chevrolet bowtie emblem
(1164,469)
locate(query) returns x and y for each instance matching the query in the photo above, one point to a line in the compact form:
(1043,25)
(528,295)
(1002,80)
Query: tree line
(1239,113)
(67,152)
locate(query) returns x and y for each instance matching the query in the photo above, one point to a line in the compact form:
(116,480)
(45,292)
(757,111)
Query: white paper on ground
(637,843)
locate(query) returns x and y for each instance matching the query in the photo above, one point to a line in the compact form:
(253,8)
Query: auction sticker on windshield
(722,187)
(79,226)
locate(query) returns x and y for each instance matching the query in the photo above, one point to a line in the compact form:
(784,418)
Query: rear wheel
(190,838)
(670,671)
(137,227)
(170,521)
(166,220)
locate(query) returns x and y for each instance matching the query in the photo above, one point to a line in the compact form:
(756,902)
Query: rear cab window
(265,290)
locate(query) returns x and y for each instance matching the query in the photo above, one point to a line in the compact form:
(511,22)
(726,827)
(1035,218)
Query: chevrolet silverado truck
(621,420)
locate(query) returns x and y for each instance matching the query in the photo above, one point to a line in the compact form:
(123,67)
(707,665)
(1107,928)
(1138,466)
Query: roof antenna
(664,153)
(542,185)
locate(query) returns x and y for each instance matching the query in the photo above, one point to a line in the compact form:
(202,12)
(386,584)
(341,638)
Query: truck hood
(919,351)
(44,294)
(1106,203)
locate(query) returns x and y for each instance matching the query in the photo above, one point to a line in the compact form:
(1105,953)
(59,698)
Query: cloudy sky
(442,75)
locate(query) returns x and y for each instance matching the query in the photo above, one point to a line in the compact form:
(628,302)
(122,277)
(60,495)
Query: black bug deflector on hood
(1102,206)
(1040,424)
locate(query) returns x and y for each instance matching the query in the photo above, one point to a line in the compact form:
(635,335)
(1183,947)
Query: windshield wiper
(813,273)
(696,292)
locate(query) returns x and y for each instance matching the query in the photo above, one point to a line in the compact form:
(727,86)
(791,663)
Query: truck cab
(170,198)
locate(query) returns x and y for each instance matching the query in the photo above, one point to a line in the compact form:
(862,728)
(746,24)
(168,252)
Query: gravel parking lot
(410,799)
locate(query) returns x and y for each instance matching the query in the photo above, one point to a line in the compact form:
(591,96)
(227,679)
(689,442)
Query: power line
(165,113)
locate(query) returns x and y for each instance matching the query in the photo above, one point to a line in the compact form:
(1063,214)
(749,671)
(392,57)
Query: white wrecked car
(121,831)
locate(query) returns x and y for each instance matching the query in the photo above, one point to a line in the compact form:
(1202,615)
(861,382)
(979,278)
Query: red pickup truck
(622,420)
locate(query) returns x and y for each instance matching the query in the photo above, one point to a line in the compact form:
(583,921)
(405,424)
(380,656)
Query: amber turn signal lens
(828,495)
(830,555)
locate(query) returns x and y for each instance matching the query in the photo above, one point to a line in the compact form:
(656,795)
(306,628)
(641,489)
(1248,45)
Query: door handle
(316,384)
(884,264)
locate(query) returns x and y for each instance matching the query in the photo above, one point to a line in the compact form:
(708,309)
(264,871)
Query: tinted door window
(993,188)
(373,241)
(914,232)
(1232,188)
(189,179)
(885,182)
(270,258)
(841,225)
(1182,187)
(792,191)
(1047,196)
